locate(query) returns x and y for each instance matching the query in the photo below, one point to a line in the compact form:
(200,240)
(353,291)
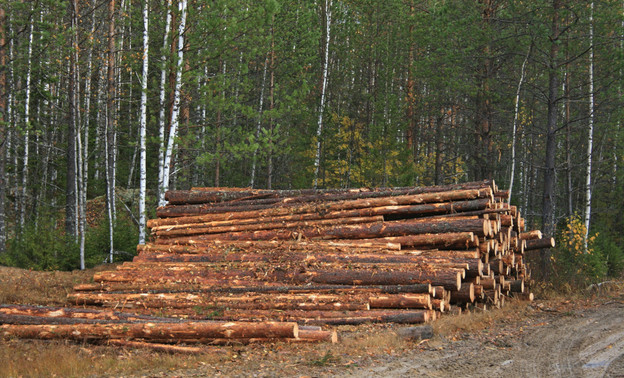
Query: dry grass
(61,359)
(21,286)
(479,320)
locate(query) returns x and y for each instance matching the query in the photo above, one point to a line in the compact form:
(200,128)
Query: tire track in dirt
(585,343)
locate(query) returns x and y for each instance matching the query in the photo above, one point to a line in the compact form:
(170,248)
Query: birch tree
(319,129)
(590,131)
(176,104)
(162,120)
(22,204)
(3,133)
(143,125)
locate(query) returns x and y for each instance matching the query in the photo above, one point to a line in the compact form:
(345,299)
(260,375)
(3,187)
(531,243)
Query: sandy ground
(551,343)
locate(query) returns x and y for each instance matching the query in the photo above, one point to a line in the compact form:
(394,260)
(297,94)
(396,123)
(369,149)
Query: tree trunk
(110,128)
(548,205)
(143,126)
(70,193)
(176,100)
(515,124)
(3,130)
(590,132)
(319,129)
(258,125)
(162,117)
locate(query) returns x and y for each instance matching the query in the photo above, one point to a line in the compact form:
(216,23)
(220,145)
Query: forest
(107,104)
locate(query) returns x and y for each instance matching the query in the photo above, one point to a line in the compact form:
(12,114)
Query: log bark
(401,301)
(147,331)
(464,295)
(204,213)
(380,229)
(453,240)
(450,279)
(539,244)
(168,348)
(531,235)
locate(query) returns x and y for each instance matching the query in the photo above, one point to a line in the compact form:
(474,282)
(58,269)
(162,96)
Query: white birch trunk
(162,120)
(176,104)
(590,133)
(515,124)
(258,124)
(22,213)
(319,129)
(143,126)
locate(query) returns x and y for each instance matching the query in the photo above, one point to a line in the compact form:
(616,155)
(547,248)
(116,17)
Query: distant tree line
(153,95)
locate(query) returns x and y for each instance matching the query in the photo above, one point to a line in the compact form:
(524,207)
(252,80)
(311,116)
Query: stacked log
(355,256)
(127,329)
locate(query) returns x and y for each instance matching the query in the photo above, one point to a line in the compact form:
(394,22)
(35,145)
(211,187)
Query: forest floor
(558,336)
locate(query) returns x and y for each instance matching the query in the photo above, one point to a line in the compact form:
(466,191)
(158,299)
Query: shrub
(40,245)
(572,264)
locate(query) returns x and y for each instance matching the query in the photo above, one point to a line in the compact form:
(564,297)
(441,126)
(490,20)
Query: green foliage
(575,266)
(42,245)
(611,253)
(125,235)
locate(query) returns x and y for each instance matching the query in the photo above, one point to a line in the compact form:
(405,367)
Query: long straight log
(395,228)
(228,246)
(261,287)
(450,279)
(319,218)
(73,314)
(401,301)
(147,331)
(450,240)
(194,230)
(157,346)
(202,213)
(306,195)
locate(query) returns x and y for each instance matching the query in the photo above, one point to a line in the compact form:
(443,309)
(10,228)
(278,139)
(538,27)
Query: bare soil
(567,342)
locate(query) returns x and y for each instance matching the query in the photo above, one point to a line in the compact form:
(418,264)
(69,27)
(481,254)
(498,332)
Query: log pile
(314,257)
(158,333)
(324,256)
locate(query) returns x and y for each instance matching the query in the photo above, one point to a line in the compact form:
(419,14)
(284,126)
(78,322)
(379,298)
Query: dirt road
(552,343)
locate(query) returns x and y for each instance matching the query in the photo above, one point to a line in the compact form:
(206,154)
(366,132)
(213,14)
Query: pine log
(401,318)
(319,218)
(540,244)
(256,246)
(264,287)
(526,296)
(450,279)
(147,331)
(168,348)
(439,305)
(516,286)
(203,213)
(531,235)
(73,314)
(401,301)
(380,229)
(187,230)
(453,240)
(463,295)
